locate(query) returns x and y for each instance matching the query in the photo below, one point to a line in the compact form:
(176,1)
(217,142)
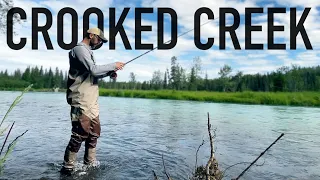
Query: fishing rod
(113,74)
(167,42)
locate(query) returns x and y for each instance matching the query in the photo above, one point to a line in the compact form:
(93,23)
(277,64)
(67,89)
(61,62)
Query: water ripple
(136,133)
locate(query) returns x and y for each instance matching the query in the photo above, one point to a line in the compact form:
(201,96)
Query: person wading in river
(82,95)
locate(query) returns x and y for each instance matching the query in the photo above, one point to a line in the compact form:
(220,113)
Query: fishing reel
(112,74)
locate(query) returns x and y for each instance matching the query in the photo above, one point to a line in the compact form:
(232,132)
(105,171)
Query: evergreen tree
(165,83)
(26,75)
(192,81)
(17,74)
(206,82)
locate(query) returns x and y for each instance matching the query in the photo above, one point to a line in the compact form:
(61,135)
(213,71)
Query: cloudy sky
(248,61)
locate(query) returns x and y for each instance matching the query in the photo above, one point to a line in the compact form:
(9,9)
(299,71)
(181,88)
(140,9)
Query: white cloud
(304,3)
(304,59)
(185,50)
(258,69)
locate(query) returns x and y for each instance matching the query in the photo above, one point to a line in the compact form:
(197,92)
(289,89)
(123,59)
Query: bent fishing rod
(113,74)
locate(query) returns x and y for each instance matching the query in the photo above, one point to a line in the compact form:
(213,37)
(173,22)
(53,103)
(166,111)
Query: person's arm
(96,70)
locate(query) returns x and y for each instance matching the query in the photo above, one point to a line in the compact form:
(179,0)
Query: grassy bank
(311,99)
(31,90)
(266,98)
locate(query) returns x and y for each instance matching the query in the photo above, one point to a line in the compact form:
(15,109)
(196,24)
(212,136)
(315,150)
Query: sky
(247,61)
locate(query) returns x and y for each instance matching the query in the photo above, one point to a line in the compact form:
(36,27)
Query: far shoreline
(294,99)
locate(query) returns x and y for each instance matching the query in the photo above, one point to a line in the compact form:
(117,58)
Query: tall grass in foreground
(2,131)
(311,99)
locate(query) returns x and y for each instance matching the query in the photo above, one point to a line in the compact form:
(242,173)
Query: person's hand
(119,65)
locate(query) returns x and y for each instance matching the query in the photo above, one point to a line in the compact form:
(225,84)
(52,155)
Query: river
(137,132)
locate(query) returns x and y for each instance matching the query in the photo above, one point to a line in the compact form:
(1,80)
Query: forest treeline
(285,79)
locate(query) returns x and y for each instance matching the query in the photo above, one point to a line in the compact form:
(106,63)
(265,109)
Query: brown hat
(98,32)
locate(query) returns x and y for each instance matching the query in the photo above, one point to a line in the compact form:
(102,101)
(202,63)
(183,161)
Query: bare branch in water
(16,139)
(154,175)
(15,102)
(5,141)
(10,149)
(165,171)
(212,153)
(197,155)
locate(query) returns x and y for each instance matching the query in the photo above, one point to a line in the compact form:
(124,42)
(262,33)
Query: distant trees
(174,74)
(132,81)
(175,77)
(38,77)
(157,81)
(225,78)
(194,77)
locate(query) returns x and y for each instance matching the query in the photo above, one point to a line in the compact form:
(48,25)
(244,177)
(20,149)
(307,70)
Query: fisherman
(82,95)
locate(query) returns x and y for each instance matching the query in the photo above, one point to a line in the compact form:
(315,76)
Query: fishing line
(113,74)
(169,41)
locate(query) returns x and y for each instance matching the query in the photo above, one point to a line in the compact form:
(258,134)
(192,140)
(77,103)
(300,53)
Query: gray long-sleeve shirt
(83,78)
(85,55)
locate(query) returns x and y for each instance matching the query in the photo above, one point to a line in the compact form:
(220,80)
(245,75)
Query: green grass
(311,99)
(31,89)
(2,131)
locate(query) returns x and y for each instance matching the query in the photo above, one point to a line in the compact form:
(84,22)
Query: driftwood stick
(5,141)
(155,176)
(212,151)
(197,155)
(11,144)
(259,156)
(165,171)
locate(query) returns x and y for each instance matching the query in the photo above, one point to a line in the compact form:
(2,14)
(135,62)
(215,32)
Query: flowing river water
(137,132)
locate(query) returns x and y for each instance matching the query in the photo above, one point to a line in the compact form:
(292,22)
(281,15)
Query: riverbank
(33,90)
(311,99)
(308,99)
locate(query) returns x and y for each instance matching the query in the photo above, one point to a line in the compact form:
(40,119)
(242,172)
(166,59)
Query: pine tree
(192,81)
(6,73)
(206,82)
(17,74)
(174,73)
(165,84)
(26,75)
